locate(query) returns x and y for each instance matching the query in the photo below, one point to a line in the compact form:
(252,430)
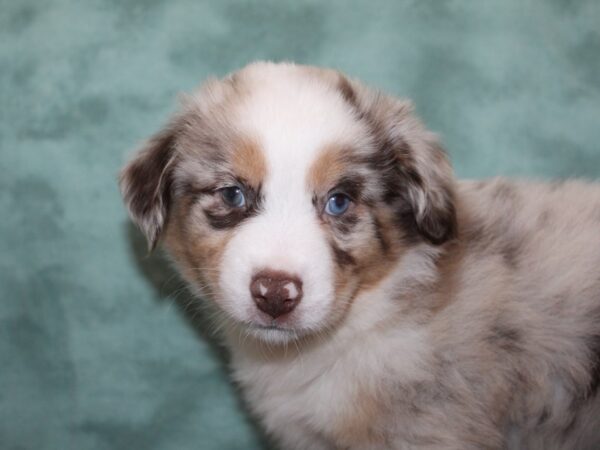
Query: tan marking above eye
(328,168)
(249,162)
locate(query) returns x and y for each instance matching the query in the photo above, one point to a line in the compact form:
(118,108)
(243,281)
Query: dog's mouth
(274,333)
(271,327)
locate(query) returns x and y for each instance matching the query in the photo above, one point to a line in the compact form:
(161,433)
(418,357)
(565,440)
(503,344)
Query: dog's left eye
(233,196)
(337,204)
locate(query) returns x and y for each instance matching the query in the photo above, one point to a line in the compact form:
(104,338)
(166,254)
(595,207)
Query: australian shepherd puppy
(369,299)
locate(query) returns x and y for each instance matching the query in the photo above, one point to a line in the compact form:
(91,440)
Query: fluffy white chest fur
(369,299)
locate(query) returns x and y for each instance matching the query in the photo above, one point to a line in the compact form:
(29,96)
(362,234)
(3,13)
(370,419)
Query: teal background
(99,347)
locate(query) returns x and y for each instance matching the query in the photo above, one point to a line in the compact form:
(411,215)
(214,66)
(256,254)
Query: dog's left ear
(429,184)
(418,177)
(146,182)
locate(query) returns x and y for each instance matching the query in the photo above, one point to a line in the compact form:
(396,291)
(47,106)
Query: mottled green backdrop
(96,348)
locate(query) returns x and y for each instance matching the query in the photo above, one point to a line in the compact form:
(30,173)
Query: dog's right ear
(419,178)
(146,183)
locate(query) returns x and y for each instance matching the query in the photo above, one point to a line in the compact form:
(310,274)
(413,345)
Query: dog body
(369,299)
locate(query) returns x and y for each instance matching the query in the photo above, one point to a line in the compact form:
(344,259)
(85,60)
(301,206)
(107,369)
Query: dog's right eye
(233,196)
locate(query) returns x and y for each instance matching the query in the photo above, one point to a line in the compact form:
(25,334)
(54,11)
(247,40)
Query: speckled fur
(459,314)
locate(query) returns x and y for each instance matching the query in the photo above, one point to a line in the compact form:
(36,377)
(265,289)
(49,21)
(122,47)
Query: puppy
(368,298)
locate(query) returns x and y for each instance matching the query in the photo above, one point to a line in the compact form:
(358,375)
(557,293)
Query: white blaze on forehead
(295,115)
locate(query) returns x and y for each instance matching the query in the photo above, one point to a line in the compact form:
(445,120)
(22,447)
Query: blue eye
(233,196)
(337,204)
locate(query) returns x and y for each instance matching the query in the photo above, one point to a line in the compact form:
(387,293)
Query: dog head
(282,191)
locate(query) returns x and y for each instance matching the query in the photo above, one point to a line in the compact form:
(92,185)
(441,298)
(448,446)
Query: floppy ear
(146,182)
(429,186)
(418,177)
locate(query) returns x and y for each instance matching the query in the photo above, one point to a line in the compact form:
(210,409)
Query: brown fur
(328,168)
(248,161)
(194,245)
(359,423)
(363,241)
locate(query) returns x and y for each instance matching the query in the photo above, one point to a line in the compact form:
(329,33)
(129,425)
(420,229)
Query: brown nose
(275,293)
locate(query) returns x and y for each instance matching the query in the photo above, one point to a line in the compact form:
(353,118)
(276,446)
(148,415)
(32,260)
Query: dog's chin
(274,334)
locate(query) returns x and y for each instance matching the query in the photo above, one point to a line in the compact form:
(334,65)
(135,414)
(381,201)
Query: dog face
(283,191)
